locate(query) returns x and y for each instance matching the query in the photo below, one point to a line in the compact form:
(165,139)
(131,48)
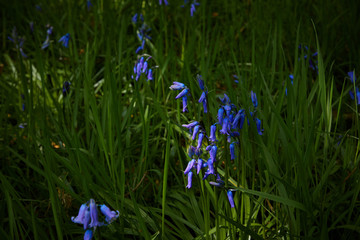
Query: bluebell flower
(18,41)
(201,82)
(46,43)
(210,165)
(182,93)
(191,151)
(225,126)
(94,215)
(134,18)
(81,215)
(150,75)
(165,2)
(88,5)
(110,216)
(192,7)
(213,152)
(231,198)
(88,234)
(190,166)
(66,88)
(65,40)
(22,125)
(189,180)
(184,101)
(237,117)
(227,109)
(191,125)
(144,67)
(225,100)
(220,115)
(292,82)
(177,86)
(196,130)
(199,165)
(258,126)
(203,100)
(87,218)
(254,99)
(200,139)
(232,151)
(213,133)
(352,76)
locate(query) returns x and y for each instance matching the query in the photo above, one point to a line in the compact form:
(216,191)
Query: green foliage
(120,141)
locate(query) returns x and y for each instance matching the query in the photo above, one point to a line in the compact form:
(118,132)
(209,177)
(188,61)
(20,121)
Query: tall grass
(121,142)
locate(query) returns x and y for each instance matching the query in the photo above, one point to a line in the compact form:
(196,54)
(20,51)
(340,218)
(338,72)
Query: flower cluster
(230,121)
(313,63)
(165,2)
(65,40)
(88,216)
(142,67)
(353,82)
(46,43)
(192,6)
(138,19)
(18,41)
(183,94)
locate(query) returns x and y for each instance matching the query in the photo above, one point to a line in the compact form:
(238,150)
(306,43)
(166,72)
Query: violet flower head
(192,7)
(213,133)
(200,81)
(66,88)
(191,125)
(150,75)
(225,126)
(110,216)
(199,165)
(196,130)
(232,151)
(189,180)
(177,86)
(258,126)
(182,93)
(81,215)
(184,101)
(86,221)
(254,99)
(88,5)
(190,165)
(231,198)
(220,115)
(165,2)
(88,234)
(94,215)
(352,76)
(65,40)
(213,152)
(191,151)
(200,139)
(210,164)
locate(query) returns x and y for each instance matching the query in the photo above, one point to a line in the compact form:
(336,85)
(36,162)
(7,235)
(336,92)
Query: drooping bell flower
(81,215)
(184,101)
(231,198)
(88,234)
(196,130)
(190,165)
(65,40)
(254,99)
(94,215)
(213,133)
(110,216)
(200,139)
(199,165)
(189,180)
